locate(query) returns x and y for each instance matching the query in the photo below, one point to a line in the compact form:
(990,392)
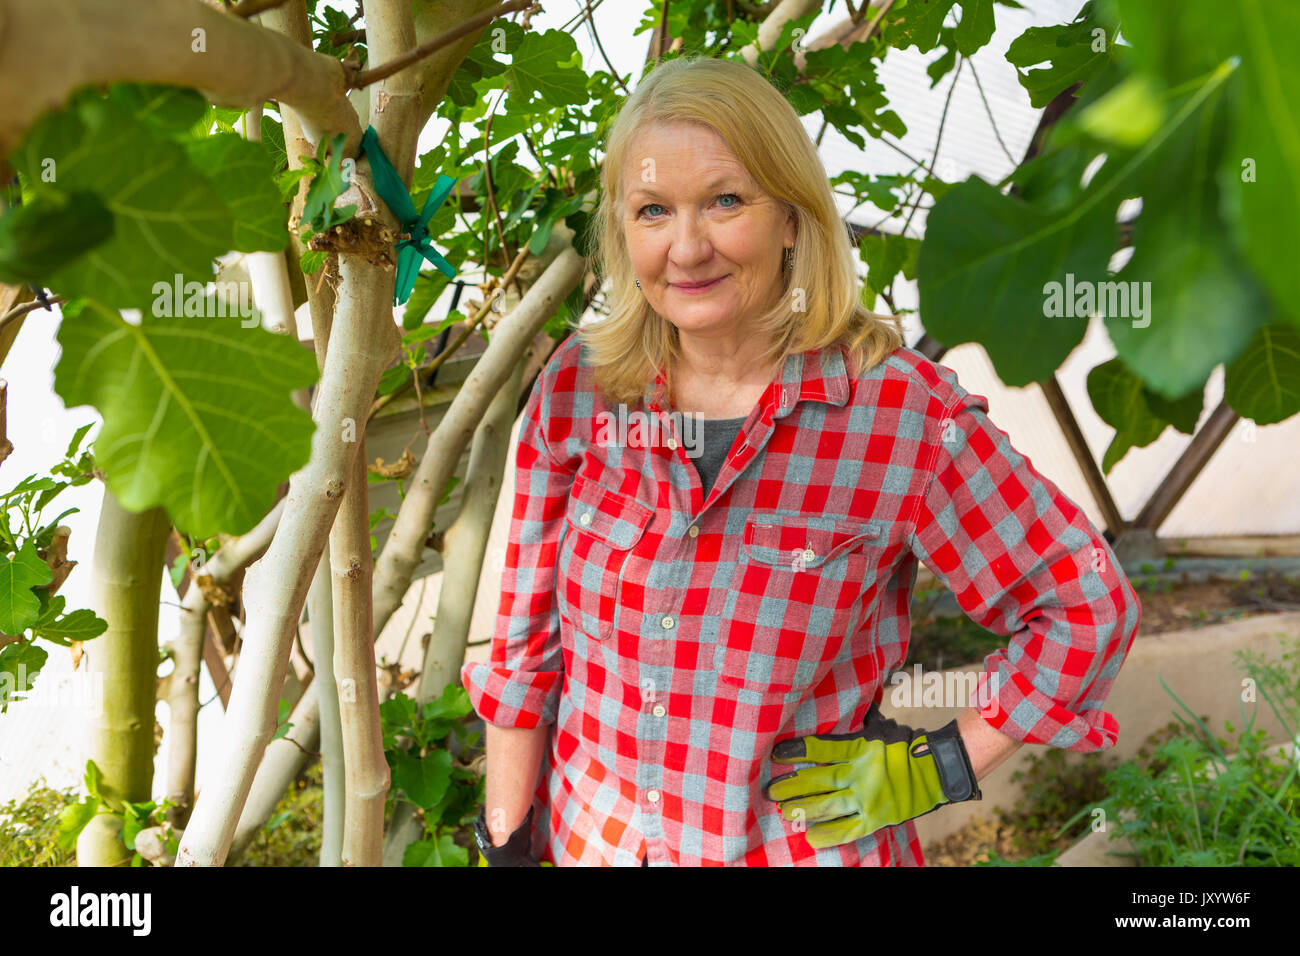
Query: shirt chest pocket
(798,583)
(601,528)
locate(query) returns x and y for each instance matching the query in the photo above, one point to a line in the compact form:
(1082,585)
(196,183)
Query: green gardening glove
(882,775)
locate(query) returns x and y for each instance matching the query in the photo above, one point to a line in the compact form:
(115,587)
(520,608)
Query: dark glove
(516,851)
(881,776)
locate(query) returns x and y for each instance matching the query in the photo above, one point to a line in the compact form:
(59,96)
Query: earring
(638,283)
(789,257)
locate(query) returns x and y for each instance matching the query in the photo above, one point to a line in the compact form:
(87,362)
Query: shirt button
(667,622)
(694,531)
(652,796)
(672,444)
(585,518)
(659,710)
(809,554)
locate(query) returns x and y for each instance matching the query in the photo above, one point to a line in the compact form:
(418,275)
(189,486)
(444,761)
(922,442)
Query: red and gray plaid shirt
(672,640)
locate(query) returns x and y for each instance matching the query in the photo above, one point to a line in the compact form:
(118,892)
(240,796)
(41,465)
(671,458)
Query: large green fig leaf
(197,411)
(40,237)
(1138,416)
(1259,173)
(19,573)
(243,173)
(993,267)
(1263,384)
(1199,304)
(167,217)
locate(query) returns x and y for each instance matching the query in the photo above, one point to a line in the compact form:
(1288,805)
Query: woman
(683,623)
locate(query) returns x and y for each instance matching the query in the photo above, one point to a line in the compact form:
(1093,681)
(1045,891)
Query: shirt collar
(818,375)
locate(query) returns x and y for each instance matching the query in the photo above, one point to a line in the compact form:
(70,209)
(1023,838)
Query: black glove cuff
(953,762)
(516,851)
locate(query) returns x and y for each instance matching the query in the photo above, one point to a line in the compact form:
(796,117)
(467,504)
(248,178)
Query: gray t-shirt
(716,437)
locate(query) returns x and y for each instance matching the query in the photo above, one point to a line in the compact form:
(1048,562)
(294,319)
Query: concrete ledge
(1099,848)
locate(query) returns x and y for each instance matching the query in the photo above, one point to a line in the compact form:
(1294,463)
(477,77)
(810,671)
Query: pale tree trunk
(290,19)
(463,548)
(11,296)
(361,343)
(320,611)
(511,339)
(465,542)
(395,106)
(269,271)
(183,685)
(125,584)
(362,339)
(365,769)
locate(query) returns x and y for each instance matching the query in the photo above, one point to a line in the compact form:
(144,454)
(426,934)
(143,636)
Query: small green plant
(1194,806)
(292,836)
(29,828)
(33,565)
(1152,584)
(135,816)
(430,753)
(1053,789)
(331,177)
(283,725)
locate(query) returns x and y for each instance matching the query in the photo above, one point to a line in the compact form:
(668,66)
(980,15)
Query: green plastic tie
(417,245)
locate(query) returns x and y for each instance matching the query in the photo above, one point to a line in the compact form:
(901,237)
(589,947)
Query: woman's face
(706,243)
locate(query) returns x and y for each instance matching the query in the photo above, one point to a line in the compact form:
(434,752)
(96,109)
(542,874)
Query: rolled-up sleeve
(520,685)
(1023,560)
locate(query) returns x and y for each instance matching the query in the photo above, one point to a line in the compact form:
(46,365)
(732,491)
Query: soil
(972,844)
(1175,605)
(1167,605)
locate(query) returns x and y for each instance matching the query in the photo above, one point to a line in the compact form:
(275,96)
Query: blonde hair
(761,128)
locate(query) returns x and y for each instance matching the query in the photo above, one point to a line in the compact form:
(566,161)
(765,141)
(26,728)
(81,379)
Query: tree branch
(6,446)
(396,65)
(361,343)
(55,47)
(436,71)
(251,8)
(770,29)
(20,310)
(232,557)
(405,545)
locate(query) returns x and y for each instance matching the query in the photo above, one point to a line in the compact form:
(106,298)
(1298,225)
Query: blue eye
(733,196)
(644,208)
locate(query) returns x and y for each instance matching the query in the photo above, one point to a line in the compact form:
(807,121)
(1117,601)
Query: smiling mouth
(697,286)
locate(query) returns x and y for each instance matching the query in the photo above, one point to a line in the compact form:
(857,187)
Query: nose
(690,242)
